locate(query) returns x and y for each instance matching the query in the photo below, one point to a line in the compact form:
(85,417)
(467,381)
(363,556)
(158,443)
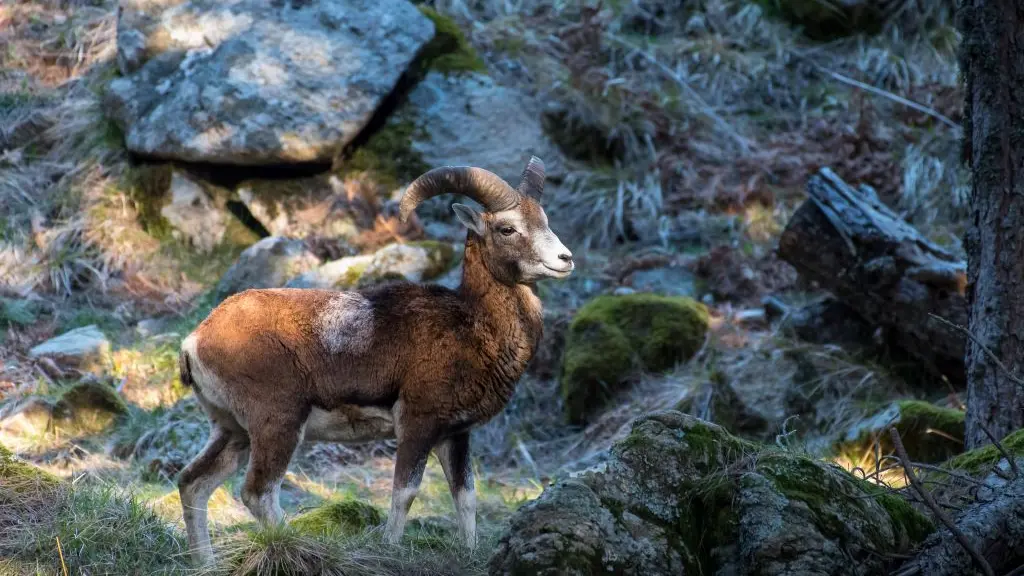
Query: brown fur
(452,356)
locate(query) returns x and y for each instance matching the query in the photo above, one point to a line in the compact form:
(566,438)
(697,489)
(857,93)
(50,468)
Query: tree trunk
(874,262)
(992,62)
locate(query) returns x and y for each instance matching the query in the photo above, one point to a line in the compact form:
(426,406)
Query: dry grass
(674,99)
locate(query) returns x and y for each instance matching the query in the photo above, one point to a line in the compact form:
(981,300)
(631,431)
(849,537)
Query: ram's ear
(469,217)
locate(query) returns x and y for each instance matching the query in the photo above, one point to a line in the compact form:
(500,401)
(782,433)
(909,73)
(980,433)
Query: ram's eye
(508,230)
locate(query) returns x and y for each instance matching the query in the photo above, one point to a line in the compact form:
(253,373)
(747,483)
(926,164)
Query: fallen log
(994,527)
(869,258)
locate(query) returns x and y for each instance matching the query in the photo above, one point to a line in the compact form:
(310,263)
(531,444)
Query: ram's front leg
(453,452)
(414,444)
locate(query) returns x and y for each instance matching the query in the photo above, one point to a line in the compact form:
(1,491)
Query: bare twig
(999,446)
(991,355)
(742,142)
(889,95)
(901,451)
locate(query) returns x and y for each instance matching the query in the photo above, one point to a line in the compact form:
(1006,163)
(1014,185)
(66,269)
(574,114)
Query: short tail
(185,370)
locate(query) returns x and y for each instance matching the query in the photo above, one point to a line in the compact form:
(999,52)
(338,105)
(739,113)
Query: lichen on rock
(252,82)
(86,348)
(269,263)
(612,336)
(681,496)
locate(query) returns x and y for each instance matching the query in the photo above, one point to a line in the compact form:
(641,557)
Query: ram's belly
(350,424)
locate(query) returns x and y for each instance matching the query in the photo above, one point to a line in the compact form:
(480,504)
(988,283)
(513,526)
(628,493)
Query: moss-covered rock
(388,155)
(981,460)
(414,261)
(18,475)
(613,336)
(682,496)
(172,203)
(449,52)
(92,395)
(325,205)
(348,517)
(930,433)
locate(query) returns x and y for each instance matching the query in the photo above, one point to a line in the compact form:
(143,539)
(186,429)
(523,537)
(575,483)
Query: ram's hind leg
(226,451)
(453,453)
(274,437)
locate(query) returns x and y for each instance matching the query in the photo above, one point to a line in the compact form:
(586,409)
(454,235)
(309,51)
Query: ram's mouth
(561,272)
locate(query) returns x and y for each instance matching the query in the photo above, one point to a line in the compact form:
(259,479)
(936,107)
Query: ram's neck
(510,317)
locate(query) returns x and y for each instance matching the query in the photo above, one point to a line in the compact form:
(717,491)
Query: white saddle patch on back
(346,324)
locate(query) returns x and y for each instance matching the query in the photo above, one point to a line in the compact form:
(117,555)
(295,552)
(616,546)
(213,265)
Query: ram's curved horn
(532,181)
(484,186)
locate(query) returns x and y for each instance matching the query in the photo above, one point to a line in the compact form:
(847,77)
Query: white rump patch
(346,324)
(210,385)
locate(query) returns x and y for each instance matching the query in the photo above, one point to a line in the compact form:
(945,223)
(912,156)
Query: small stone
(149,327)
(80,347)
(341,273)
(194,214)
(416,262)
(269,263)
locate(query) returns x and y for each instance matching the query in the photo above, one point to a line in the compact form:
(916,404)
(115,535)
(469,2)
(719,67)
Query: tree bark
(992,62)
(873,261)
(994,527)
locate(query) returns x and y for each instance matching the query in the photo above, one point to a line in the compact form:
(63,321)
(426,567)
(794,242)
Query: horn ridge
(532,180)
(484,186)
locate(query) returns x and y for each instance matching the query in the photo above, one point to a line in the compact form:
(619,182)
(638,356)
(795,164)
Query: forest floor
(698,127)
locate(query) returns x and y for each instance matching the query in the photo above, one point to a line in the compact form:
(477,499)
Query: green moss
(388,154)
(913,525)
(981,460)
(353,275)
(612,336)
(375,279)
(834,496)
(20,476)
(349,517)
(596,358)
(92,395)
(930,433)
(449,52)
(147,187)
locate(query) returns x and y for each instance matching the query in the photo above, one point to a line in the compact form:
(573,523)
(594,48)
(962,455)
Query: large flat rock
(469,119)
(251,82)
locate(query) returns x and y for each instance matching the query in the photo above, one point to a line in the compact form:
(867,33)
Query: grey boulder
(251,82)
